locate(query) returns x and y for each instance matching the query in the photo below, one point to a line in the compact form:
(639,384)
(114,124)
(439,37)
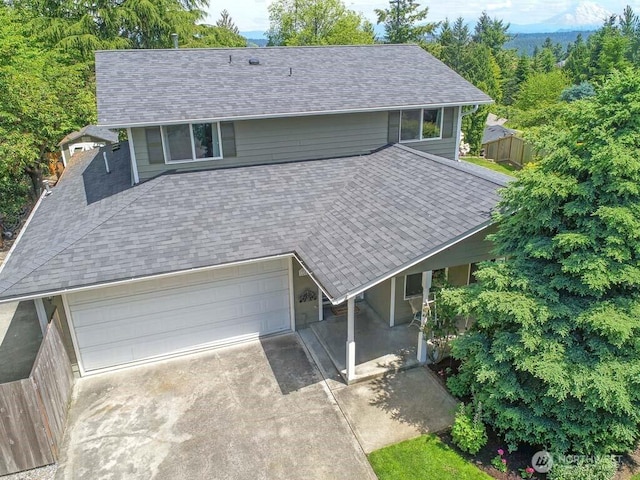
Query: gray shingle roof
(92,131)
(496,132)
(156,86)
(349,220)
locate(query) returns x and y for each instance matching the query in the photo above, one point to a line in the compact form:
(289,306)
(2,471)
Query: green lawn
(502,168)
(422,458)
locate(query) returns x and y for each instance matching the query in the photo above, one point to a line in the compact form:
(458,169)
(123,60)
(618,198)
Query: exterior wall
(403,311)
(378,298)
(284,139)
(306,311)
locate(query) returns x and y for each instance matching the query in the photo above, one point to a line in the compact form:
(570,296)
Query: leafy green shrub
(577,92)
(468,432)
(597,468)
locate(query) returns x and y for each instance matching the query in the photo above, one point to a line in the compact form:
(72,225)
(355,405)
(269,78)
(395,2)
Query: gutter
(410,264)
(127,281)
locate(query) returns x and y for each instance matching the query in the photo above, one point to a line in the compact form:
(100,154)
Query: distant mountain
(583,16)
(257,34)
(526,43)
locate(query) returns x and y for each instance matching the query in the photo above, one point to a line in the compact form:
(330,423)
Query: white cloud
(252,15)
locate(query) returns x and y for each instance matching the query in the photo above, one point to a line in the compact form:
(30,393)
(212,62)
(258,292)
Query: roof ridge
(475,170)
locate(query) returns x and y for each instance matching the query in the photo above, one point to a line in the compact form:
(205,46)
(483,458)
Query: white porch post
(351,344)
(320,309)
(422,342)
(42,314)
(392,303)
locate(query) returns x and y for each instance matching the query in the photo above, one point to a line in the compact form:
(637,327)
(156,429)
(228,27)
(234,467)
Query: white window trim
(193,159)
(404,292)
(421,121)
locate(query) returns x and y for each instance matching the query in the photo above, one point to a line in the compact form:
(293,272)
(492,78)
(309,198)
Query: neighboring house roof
(349,220)
(493,119)
(143,87)
(91,131)
(496,132)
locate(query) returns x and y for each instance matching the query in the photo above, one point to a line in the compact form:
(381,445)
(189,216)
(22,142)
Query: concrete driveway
(255,411)
(261,410)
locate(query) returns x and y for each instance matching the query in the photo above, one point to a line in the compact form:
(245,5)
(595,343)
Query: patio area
(379,348)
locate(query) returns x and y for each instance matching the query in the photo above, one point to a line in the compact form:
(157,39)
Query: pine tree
(554,355)
(225,21)
(403,22)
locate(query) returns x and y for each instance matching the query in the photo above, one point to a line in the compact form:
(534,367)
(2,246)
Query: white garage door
(127,323)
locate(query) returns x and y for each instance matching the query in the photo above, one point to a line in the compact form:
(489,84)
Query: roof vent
(254,61)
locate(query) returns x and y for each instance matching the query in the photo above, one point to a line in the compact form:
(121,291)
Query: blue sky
(253,15)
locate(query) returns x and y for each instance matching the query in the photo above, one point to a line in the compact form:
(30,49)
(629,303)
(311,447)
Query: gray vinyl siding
(284,139)
(446,146)
(306,312)
(378,298)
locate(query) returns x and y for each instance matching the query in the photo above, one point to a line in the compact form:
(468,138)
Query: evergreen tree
(577,64)
(404,22)
(522,72)
(83,27)
(554,354)
(454,42)
(492,33)
(225,21)
(544,60)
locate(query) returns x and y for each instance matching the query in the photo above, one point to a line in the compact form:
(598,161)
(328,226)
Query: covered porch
(381,348)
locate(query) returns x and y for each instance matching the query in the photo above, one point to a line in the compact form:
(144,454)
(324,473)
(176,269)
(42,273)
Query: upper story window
(421,124)
(191,142)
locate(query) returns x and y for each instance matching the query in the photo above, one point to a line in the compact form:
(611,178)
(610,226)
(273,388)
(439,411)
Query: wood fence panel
(25,444)
(33,411)
(517,147)
(53,379)
(504,149)
(509,149)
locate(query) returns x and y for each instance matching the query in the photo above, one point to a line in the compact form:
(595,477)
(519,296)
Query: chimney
(174,38)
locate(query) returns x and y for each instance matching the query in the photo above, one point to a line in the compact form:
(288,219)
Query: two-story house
(258,185)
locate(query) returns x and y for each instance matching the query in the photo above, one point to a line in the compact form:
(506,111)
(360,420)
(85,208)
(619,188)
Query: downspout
(462,114)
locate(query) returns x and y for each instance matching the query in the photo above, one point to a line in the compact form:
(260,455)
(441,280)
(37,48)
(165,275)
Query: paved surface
(391,408)
(255,411)
(20,339)
(396,407)
(379,349)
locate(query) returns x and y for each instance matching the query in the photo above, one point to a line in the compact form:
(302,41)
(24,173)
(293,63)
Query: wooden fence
(509,149)
(33,411)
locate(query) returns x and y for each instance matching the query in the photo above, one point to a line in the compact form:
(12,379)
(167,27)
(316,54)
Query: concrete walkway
(391,408)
